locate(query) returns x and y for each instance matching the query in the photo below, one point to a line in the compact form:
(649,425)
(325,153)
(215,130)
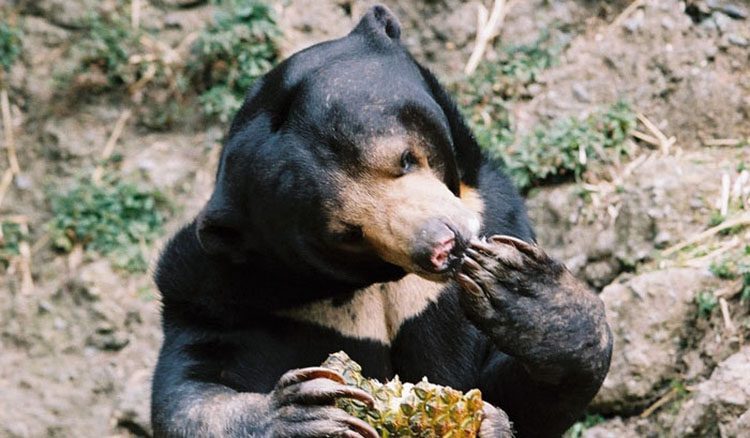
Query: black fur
(261,245)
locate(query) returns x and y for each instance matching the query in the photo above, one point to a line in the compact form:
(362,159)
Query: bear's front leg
(534,309)
(552,342)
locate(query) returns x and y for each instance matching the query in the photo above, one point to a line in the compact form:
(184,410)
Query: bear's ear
(379,21)
(219,228)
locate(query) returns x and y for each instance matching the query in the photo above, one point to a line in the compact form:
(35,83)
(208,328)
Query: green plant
(109,44)
(565,148)
(560,150)
(10,45)
(114,218)
(745,294)
(744,270)
(218,68)
(483,95)
(725,269)
(116,57)
(735,265)
(706,302)
(716,218)
(11,236)
(239,47)
(577,429)
(521,65)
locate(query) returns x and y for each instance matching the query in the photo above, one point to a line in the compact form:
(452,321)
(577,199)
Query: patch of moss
(11,235)
(10,45)
(114,218)
(706,302)
(217,69)
(589,421)
(557,151)
(239,47)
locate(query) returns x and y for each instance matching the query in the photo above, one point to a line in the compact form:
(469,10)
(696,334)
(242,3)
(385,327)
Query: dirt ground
(79,337)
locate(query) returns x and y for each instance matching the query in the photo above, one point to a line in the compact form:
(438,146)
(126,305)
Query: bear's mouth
(444,261)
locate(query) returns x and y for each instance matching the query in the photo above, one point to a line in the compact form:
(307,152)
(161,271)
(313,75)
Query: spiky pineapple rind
(403,409)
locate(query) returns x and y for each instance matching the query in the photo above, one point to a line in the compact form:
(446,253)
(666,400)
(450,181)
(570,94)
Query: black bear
(348,203)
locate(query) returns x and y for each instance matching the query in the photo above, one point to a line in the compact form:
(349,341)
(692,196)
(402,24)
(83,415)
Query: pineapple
(405,409)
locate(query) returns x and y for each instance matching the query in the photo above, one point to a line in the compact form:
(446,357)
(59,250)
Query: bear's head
(348,161)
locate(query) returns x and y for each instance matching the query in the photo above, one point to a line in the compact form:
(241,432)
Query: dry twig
(741,220)
(24,263)
(645,137)
(728,324)
(135,14)
(725,141)
(659,403)
(723,202)
(5,183)
(730,291)
(487,29)
(10,144)
(109,147)
(626,13)
(664,143)
(701,262)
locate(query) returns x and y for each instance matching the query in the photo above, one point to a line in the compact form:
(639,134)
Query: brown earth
(77,349)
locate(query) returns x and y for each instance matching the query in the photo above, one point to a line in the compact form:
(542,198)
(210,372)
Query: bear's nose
(435,246)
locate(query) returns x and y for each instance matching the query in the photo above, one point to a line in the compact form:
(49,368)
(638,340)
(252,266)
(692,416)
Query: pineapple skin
(410,410)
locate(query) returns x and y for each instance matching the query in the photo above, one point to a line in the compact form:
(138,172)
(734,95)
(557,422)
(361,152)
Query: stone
(647,316)
(66,13)
(738,40)
(615,428)
(719,406)
(132,409)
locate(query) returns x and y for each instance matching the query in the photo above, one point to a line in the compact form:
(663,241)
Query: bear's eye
(352,234)
(409,161)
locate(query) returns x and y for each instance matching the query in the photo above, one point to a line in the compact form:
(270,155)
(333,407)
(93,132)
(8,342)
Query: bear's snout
(437,247)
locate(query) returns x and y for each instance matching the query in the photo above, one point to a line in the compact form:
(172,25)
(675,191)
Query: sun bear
(349,203)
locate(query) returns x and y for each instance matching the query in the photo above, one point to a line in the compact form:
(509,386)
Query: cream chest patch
(374,313)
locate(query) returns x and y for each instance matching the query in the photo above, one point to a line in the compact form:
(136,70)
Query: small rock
(66,13)
(51,36)
(709,25)
(694,364)
(581,93)
(60,324)
(635,22)
(743,423)
(180,3)
(24,182)
(738,40)
(172,21)
(711,52)
(717,404)
(723,21)
(662,239)
(534,89)
(108,338)
(634,230)
(667,23)
(132,411)
(647,316)
(696,203)
(600,273)
(734,11)
(615,428)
